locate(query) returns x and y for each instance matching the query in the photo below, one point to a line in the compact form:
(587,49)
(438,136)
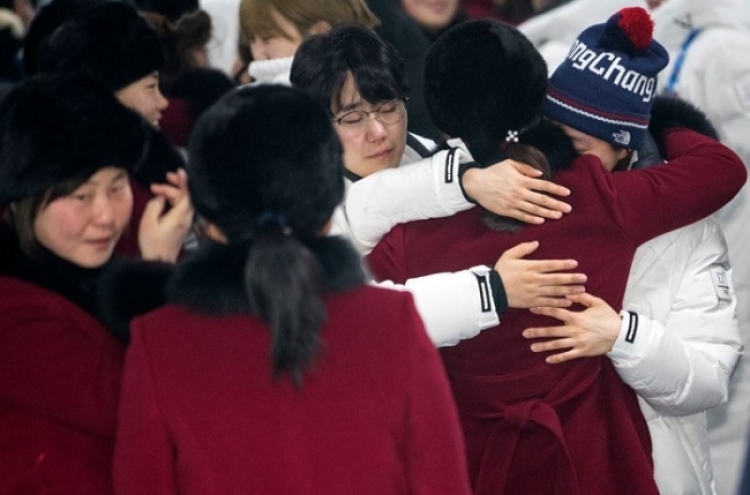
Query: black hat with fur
(484,82)
(44,23)
(63,126)
(109,40)
(263,155)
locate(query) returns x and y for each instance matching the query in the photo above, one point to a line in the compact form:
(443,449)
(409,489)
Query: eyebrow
(350,106)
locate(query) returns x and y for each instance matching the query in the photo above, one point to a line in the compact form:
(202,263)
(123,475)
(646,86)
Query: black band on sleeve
(498,293)
(462,168)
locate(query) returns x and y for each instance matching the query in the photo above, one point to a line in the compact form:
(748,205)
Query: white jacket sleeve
(681,362)
(426,189)
(453,306)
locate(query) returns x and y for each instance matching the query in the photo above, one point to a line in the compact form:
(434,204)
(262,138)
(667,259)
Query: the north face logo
(622,137)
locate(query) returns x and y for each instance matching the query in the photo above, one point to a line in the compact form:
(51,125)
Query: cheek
(58,226)
(123,209)
(353,153)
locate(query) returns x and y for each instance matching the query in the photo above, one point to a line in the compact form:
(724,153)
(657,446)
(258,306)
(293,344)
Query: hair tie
(273,220)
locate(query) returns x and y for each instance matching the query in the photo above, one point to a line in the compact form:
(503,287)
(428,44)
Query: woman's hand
(513,189)
(531,283)
(166,219)
(591,332)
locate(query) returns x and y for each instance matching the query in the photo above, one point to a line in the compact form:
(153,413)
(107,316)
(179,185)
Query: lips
(380,155)
(101,243)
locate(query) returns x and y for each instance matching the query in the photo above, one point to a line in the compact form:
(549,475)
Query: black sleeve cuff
(498,293)
(462,168)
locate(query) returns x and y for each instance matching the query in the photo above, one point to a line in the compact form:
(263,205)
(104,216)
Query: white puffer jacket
(681,350)
(716,77)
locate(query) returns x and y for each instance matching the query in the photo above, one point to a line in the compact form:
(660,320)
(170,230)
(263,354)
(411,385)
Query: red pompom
(637,25)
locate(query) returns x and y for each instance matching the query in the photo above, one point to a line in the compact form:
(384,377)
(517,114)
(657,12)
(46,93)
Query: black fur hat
(110,41)
(44,23)
(63,126)
(266,154)
(484,79)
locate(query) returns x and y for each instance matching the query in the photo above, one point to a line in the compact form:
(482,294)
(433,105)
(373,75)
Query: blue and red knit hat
(607,83)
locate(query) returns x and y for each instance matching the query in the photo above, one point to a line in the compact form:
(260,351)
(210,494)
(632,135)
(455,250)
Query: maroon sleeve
(700,176)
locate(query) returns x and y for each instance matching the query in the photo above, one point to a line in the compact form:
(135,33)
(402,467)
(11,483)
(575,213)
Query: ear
(319,27)
(215,233)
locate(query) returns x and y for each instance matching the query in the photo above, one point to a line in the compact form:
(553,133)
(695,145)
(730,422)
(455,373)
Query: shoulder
(29,306)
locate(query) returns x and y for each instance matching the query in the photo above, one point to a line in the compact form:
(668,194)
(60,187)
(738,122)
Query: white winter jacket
(715,75)
(453,306)
(681,349)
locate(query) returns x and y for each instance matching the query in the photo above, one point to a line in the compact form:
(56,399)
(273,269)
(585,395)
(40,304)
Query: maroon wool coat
(567,428)
(59,386)
(201,412)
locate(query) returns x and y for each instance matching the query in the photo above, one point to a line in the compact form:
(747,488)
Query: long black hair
(265,168)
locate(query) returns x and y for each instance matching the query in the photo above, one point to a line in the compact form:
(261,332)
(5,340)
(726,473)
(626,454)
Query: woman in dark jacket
(275,369)
(67,148)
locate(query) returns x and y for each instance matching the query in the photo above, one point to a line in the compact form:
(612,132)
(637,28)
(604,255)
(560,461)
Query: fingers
(548,187)
(552,302)
(558,313)
(521,250)
(556,344)
(526,170)
(585,299)
(153,210)
(178,179)
(538,203)
(548,266)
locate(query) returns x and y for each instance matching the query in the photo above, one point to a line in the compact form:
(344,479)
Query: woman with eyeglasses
(361,79)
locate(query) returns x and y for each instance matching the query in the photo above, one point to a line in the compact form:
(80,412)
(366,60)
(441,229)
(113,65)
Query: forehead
(349,97)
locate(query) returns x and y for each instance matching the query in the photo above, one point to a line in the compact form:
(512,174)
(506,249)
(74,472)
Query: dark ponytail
(283,284)
(265,168)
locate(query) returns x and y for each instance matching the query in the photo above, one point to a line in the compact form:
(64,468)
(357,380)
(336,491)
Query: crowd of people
(374,246)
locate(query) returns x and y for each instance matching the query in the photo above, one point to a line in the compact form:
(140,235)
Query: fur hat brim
(64,126)
(110,41)
(482,79)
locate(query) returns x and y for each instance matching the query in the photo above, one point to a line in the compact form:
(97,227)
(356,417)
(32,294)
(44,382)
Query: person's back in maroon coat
(202,410)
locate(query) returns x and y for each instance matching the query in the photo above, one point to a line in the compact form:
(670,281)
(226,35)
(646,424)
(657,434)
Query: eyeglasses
(387,113)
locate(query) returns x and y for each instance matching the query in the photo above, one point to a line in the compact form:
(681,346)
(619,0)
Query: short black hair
(323,61)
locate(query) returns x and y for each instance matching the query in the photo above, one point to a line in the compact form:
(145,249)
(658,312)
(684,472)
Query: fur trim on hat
(131,288)
(160,157)
(63,126)
(110,41)
(482,79)
(212,280)
(44,23)
(256,152)
(672,111)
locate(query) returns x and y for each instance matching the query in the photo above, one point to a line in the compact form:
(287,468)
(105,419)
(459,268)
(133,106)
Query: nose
(375,130)
(161,102)
(104,213)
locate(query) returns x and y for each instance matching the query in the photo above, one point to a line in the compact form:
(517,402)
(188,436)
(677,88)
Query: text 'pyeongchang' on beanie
(607,83)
